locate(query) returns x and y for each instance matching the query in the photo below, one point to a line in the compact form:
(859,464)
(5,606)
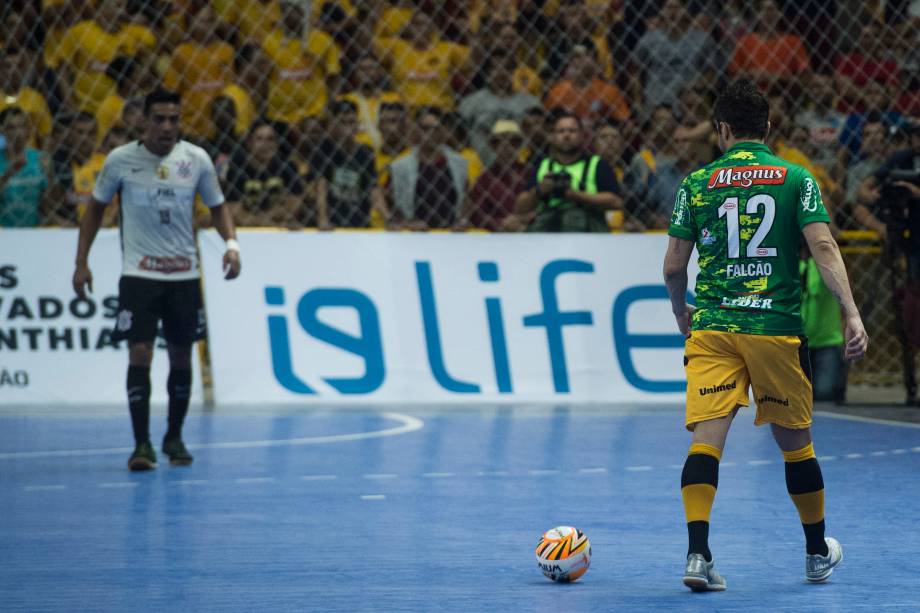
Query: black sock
(139,401)
(179,386)
(698,483)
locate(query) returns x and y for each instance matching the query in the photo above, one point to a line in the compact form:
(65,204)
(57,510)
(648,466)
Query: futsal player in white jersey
(156,179)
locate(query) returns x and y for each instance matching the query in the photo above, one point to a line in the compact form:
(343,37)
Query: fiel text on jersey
(747,176)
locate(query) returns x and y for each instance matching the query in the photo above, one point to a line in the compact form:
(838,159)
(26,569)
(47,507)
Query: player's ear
(766,134)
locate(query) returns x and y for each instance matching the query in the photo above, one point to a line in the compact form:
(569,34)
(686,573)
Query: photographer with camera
(569,191)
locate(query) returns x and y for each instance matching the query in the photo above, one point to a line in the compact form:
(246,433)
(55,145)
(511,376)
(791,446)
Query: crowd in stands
(413,114)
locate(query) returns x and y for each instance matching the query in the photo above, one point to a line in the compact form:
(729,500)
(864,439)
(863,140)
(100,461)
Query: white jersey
(157,196)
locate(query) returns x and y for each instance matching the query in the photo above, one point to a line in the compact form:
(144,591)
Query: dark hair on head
(10,50)
(244,54)
(340,107)
(744,108)
(83,117)
(116,130)
(498,58)
(120,69)
(456,124)
(534,111)
(393,106)
(558,113)
(873,117)
(160,96)
(608,122)
(429,110)
(10,111)
(261,123)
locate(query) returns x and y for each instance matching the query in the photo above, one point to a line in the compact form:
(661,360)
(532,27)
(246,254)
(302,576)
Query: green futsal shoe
(143,458)
(178,454)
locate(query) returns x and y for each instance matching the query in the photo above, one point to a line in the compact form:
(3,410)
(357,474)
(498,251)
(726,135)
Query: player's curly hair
(744,108)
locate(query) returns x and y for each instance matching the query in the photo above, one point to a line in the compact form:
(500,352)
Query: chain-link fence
(417,114)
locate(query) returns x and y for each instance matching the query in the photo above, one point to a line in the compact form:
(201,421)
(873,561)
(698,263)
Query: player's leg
(136,321)
(781,378)
(717,384)
(181,326)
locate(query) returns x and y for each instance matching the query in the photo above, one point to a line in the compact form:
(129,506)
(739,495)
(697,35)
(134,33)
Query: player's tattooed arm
(676,261)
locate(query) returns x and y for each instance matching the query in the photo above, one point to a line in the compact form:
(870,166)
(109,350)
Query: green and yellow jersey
(745,212)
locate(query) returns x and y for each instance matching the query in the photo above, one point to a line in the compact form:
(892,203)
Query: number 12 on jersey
(729,210)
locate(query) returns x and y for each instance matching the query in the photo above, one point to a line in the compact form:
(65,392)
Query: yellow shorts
(721,365)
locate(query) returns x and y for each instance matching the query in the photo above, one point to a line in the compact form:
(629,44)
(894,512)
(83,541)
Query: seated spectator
(305,68)
(876,99)
(871,157)
(263,188)
(368,96)
(249,91)
(14,92)
(132,117)
(671,166)
(394,142)
(536,140)
(610,144)
(574,29)
(568,191)
(494,194)
(74,168)
(252,19)
(422,63)
(131,78)
(867,63)
(824,123)
(346,180)
(585,95)
(457,138)
(223,147)
(672,56)
(199,70)
(22,173)
(495,101)
(657,143)
(524,78)
(428,186)
(770,55)
(88,48)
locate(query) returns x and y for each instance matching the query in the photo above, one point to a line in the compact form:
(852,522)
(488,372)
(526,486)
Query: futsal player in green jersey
(747,213)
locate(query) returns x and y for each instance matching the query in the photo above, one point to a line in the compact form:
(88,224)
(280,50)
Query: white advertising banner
(54,347)
(442,317)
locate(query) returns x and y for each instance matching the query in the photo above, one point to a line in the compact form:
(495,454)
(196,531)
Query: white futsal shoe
(701,576)
(817,567)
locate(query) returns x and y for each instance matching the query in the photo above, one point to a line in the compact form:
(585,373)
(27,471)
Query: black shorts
(143,303)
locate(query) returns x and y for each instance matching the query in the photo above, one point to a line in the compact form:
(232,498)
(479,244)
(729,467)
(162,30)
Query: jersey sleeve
(208,184)
(682,225)
(108,182)
(810,206)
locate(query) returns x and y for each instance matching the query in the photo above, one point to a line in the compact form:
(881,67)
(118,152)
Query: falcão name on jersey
(753,269)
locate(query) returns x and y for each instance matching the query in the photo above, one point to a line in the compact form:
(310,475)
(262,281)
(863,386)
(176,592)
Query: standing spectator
(428,186)
(15,92)
(346,180)
(536,140)
(263,188)
(199,69)
(249,92)
(73,169)
(393,140)
(770,55)
(132,79)
(422,63)
(585,95)
(575,29)
(824,123)
(306,67)
(368,96)
(88,47)
(22,174)
(671,56)
(568,191)
(610,144)
(132,118)
(494,194)
(496,101)
(224,147)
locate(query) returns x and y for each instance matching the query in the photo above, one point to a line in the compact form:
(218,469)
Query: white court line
(409,424)
(759,462)
(543,472)
(381,476)
(727,464)
(878,453)
(827,458)
(373,497)
(116,484)
(189,481)
(898,451)
(679,466)
(592,471)
(853,456)
(255,480)
(868,420)
(638,469)
(437,475)
(492,473)
(318,477)
(44,488)
(915,449)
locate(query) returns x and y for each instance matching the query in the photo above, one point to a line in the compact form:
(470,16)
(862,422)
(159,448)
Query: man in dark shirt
(493,196)
(346,183)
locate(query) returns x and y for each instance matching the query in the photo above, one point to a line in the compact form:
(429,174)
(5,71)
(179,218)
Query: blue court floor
(412,509)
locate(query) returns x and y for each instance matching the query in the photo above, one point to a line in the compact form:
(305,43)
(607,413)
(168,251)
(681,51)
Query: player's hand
(913,189)
(685,320)
(82,279)
(232,264)
(857,341)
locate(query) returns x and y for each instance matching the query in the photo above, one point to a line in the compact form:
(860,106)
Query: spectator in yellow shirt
(422,63)
(88,47)
(199,69)
(252,19)
(132,79)
(368,96)
(249,92)
(15,92)
(306,67)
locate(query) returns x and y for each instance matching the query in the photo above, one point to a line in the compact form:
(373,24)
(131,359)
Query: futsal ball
(564,554)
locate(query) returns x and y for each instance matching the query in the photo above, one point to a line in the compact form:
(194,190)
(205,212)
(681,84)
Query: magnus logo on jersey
(747,176)
(165,264)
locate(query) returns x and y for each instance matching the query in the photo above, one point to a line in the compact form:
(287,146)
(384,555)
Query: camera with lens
(560,182)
